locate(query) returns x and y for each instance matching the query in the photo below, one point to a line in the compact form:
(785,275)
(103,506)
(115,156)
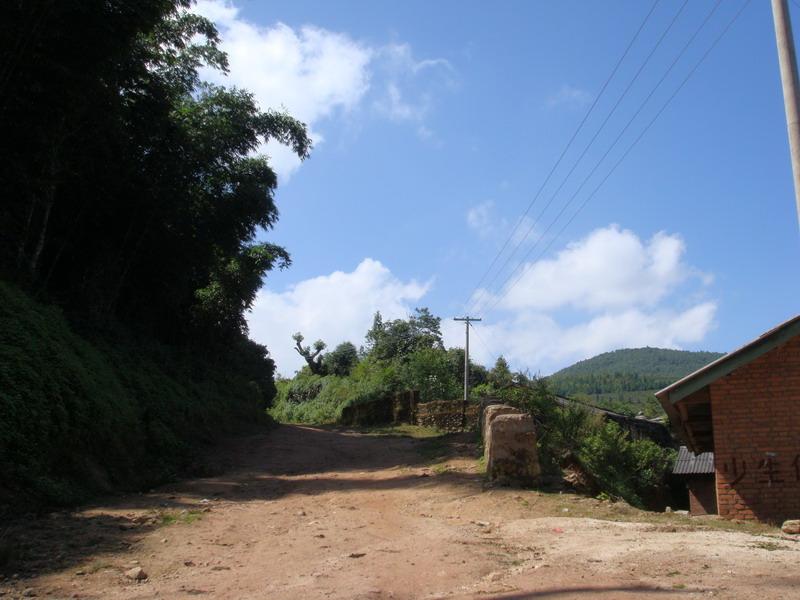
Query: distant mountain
(625,380)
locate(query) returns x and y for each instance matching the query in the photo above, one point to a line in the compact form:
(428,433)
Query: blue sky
(436,124)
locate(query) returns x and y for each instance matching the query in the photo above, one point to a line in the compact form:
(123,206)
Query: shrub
(634,470)
(341,360)
(79,417)
(430,371)
(321,399)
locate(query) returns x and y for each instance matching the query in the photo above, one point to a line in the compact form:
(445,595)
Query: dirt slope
(302,512)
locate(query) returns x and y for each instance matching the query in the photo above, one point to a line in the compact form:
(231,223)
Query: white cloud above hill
(608,290)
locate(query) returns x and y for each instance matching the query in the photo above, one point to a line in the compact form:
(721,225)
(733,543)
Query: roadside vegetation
(81,417)
(135,227)
(409,354)
(397,355)
(133,219)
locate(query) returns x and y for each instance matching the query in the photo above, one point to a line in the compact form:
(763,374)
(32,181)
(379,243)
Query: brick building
(745,408)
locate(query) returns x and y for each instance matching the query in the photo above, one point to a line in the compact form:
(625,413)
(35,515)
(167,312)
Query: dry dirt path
(302,512)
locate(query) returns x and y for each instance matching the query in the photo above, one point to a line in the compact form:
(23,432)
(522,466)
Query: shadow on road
(289,459)
(591,591)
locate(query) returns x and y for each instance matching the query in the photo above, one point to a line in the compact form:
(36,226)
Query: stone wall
(404,407)
(446,415)
(379,412)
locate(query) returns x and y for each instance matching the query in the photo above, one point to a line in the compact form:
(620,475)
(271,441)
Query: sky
(436,178)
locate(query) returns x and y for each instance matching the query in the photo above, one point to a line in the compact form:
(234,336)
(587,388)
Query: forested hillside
(625,380)
(133,201)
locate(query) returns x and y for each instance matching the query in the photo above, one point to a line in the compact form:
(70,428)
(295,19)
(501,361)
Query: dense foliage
(624,380)
(134,200)
(399,354)
(568,436)
(80,417)
(408,354)
(635,470)
(130,188)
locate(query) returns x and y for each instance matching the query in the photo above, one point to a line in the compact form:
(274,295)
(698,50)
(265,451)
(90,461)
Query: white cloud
(399,59)
(397,108)
(399,100)
(570,97)
(482,219)
(606,291)
(335,308)
(316,74)
(537,341)
(424,133)
(609,269)
(311,72)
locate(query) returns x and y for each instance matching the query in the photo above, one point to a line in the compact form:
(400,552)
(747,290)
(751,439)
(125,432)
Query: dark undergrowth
(81,417)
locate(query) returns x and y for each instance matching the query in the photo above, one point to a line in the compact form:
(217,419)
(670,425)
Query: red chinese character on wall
(770,470)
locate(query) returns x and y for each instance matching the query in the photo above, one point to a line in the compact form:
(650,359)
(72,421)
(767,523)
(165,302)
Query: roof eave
(730,362)
(676,421)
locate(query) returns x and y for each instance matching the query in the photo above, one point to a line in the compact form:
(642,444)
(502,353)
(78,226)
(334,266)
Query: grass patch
(185,517)
(402,430)
(98,565)
(545,503)
(770,546)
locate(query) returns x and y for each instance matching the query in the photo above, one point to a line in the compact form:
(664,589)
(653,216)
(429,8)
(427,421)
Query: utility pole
(467,321)
(789,79)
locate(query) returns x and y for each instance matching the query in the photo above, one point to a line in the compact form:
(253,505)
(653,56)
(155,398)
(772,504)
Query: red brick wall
(756,416)
(702,495)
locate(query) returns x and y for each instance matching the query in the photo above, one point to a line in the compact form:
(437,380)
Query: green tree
(477,373)
(136,197)
(341,360)
(630,469)
(430,371)
(397,339)
(500,375)
(313,357)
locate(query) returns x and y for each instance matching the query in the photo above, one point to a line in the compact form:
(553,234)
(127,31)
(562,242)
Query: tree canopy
(132,190)
(135,199)
(399,338)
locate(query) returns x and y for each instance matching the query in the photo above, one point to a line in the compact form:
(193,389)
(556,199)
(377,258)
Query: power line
(567,147)
(591,142)
(489,348)
(613,145)
(630,148)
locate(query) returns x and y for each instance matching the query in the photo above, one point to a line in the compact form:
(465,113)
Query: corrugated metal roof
(689,463)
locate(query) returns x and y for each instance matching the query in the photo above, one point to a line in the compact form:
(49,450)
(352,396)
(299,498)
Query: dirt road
(302,512)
